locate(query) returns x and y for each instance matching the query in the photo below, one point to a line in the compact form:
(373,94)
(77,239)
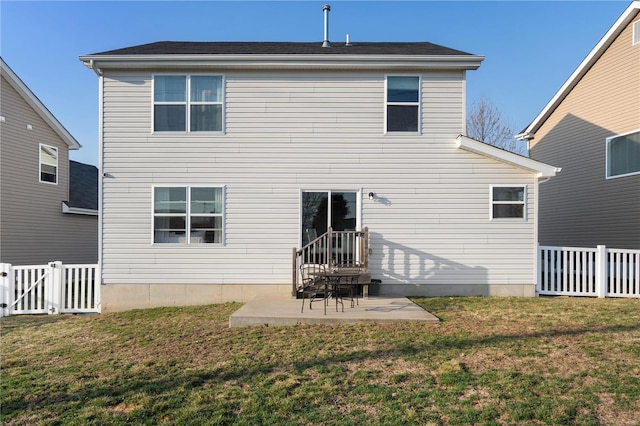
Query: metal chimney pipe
(326,8)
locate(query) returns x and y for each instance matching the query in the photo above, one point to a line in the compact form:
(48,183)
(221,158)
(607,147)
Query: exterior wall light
(372,196)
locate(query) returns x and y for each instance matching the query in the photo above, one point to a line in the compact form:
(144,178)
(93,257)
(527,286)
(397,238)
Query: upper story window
(623,155)
(403,104)
(48,164)
(188,215)
(636,33)
(187,103)
(508,202)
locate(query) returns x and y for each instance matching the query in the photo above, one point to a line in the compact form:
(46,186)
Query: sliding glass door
(321,209)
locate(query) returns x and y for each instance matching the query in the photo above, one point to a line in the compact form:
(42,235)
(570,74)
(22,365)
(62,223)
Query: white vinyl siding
(292,131)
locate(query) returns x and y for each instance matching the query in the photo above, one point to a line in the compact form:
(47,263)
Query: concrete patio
(284,310)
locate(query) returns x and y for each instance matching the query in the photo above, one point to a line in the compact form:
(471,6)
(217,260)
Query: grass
(493,361)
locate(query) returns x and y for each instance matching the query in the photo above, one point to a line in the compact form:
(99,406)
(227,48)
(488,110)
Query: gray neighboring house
(48,204)
(591,128)
(218,157)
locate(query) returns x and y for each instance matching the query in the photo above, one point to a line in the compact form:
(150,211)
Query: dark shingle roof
(284,48)
(83,186)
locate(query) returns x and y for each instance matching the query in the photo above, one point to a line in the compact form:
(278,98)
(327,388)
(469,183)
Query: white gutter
(470,62)
(525,136)
(543,171)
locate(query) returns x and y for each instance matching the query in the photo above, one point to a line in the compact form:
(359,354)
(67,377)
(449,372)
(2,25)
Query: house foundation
(124,297)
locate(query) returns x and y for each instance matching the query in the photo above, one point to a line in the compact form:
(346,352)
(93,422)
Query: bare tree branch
(486,123)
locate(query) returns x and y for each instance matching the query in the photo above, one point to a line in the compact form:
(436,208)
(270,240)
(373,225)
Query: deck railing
(597,272)
(330,249)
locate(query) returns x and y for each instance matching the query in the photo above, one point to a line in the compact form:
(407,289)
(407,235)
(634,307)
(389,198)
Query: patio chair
(349,284)
(314,284)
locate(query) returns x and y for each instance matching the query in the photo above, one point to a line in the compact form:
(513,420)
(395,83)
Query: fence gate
(49,289)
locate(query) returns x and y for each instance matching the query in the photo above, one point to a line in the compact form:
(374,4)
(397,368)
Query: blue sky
(531,48)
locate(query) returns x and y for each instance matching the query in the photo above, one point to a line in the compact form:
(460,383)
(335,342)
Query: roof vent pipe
(348,41)
(326,8)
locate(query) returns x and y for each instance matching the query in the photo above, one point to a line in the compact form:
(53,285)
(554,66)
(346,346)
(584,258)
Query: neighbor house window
(187,103)
(623,155)
(188,215)
(48,164)
(403,104)
(508,202)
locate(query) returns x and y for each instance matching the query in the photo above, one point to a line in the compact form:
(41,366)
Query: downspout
(527,137)
(101,175)
(536,260)
(543,180)
(536,243)
(92,66)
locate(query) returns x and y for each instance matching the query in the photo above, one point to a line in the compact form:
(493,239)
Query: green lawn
(489,361)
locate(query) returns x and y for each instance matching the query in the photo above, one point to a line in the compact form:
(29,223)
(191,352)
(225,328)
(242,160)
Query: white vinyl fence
(49,289)
(597,272)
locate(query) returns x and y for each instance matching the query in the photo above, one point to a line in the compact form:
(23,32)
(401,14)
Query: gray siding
(580,207)
(287,132)
(33,229)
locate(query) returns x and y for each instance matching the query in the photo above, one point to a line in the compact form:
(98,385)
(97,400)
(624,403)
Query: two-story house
(220,157)
(48,204)
(591,128)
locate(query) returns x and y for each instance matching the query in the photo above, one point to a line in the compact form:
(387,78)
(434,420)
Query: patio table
(332,284)
(335,277)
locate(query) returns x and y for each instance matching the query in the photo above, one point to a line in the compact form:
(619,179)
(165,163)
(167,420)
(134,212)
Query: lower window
(508,202)
(188,215)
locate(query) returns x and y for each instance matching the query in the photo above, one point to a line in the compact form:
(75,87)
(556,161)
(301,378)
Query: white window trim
(188,104)
(635,33)
(40,163)
(223,238)
(606,156)
(418,104)
(523,203)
